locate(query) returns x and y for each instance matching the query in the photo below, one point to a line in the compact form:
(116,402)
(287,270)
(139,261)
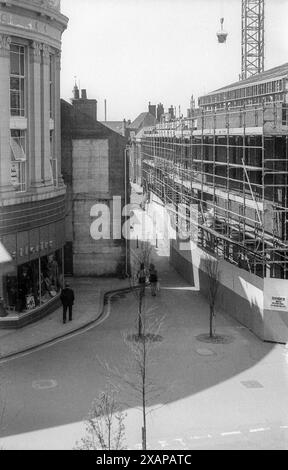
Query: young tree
(140,354)
(141,258)
(105,428)
(213,276)
(137,375)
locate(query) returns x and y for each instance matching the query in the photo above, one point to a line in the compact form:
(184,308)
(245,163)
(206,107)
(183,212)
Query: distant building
(32,193)
(121,127)
(93,166)
(160,111)
(143,120)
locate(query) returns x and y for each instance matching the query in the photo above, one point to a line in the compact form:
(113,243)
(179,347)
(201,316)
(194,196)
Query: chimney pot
(84,94)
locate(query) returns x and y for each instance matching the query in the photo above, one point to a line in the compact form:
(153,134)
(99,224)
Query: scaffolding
(232,164)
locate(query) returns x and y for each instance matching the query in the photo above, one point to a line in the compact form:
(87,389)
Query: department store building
(32,192)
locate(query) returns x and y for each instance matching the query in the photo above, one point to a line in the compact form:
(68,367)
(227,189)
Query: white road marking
(283,427)
(163,443)
(181,441)
(201,437)
(230,433)
(44,384)
(259,430)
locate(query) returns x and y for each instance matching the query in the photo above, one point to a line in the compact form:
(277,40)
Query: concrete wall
(97,176)
(91,166)
(93,257)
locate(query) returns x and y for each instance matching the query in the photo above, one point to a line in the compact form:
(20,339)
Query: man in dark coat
(67,299)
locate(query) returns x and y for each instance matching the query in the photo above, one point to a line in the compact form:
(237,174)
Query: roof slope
(82,125)
(116,126)
(275,73)
(143,120)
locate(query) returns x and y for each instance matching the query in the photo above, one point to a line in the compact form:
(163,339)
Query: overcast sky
(135,51)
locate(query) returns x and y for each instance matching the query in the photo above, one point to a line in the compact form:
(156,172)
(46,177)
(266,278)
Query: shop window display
(51,276)
(34,284)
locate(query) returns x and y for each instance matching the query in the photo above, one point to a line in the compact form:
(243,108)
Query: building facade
(229,160)
(96,176)
(32,191)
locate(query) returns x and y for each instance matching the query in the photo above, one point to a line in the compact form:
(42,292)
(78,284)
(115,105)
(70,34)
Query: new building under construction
(230,160)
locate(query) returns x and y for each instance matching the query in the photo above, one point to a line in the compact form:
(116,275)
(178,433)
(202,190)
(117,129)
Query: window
(51,85)
(18,160)
(17,80)
(53,161)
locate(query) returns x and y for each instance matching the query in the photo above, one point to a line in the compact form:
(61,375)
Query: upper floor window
(53,161)
(51,85)
(18,159)
(17,80)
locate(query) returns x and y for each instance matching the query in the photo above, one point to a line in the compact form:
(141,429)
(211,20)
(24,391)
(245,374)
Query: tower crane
(252,42)
(252,38)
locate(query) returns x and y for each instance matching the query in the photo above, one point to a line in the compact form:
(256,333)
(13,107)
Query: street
(210,395)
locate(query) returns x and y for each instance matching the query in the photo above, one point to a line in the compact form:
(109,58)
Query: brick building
(32,193)
(93,167)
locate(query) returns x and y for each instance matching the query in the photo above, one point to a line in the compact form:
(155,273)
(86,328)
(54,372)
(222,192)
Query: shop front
(32,286)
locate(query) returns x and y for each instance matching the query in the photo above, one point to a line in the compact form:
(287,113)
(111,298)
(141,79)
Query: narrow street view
(143,247)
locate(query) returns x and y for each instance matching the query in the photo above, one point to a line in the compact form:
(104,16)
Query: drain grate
(252,384)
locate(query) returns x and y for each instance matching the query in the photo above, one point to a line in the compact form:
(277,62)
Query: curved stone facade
(32,192)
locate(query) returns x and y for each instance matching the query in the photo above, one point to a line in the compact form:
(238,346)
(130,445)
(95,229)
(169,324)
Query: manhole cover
(252,384)
(44,384)
(205,352)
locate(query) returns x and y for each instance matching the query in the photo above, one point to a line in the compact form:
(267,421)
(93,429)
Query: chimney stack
(152,109)
(83,105)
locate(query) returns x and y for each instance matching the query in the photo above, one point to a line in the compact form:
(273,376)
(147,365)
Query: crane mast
(252,38)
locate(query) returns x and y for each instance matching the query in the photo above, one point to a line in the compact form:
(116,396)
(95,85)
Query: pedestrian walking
(141,275)
(153,279)
(67,298)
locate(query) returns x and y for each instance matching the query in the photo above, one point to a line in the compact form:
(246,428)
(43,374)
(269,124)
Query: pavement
(88,308)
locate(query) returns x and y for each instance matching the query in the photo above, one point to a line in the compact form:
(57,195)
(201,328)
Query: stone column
(35,115)
(5,151)
(45,117)
(57,116)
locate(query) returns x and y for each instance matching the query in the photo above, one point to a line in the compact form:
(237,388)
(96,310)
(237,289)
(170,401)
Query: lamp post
(125,197)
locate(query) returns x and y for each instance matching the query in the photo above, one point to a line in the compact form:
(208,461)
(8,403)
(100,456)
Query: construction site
(229,159)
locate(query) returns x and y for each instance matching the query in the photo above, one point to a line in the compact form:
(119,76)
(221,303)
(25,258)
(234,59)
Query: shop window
(33,284)
(18,159)
(17,80)
(51,276)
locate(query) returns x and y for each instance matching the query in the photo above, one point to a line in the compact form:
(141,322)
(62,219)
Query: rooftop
(45,4)
(276,73)
(143,120)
